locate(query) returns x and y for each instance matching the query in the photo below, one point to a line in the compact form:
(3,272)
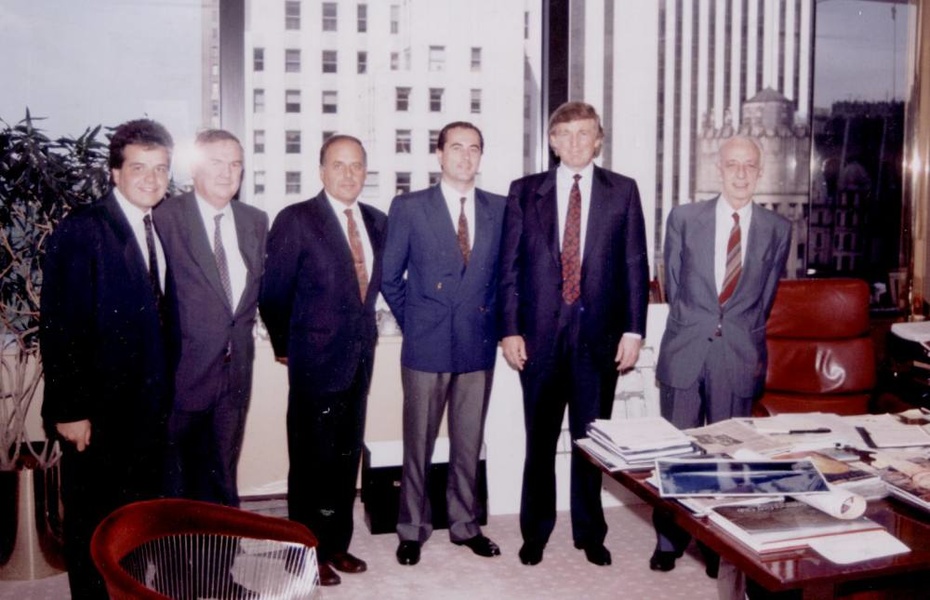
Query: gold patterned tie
(462,234)
(358,254)
(571,247)
(734,261)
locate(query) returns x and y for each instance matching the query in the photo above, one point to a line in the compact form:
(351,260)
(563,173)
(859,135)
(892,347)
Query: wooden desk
(805,571)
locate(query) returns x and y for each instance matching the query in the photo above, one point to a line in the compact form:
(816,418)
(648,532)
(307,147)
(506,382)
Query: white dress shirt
(453,200)
(238,273)
(722,227)
(135,216)
(339,208)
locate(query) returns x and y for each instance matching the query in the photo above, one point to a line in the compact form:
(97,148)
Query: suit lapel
(248,247)
(597,230)
(132,253)
(376,239)
(757,239)
(546,214)
(440,223)
(199,246)
(330,231)
(701,245)
(484,222)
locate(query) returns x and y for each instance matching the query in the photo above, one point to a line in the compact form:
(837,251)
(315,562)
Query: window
(292,61)
(362,21)
(328,134)
(292,182)
(292,14)
(292,142)
(371,184)
(403,183)
(329,16)
(330,100)
(395,61)
(258,59)
(526,25)
(395,18)
(329,61)
(402,141)
(434,178)
(258,101)
(435,99)
(476,102)
(402,102)
(433,140)
(292,101)
(437,58)
(476,59)
(258,146)
(259,180)
(362,62)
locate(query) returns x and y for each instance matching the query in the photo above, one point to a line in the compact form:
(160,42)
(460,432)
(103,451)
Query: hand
(628,352)
(281,359)
(76,432)
(514,348)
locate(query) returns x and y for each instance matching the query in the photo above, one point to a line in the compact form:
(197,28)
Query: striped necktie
(734,261)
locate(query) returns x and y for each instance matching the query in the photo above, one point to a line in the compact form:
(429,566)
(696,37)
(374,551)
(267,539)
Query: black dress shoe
(531,553)
(596,554)
(328,576)
(408,553)
(663,561)
(480,545)
(345,562)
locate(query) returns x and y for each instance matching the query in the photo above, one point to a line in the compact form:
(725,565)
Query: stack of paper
(622,444)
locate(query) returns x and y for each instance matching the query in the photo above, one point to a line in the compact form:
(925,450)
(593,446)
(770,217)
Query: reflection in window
(259,141)
(292,61)
(292,101)
(476,59)
(437,58)
(258,177)
(435,99)
(476,102)
(292,182)
(329,61)
(258,59)
(395,18)
(329,101)
(362,62)
(329,16)
(433,140)
(403,183)
(258,101)
(292,142)
(402,99)
(362,18)
(402,141)
(292,15)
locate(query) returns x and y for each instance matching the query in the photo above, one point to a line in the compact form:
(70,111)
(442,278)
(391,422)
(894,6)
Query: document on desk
(857,547)
(731,436)
(888,431)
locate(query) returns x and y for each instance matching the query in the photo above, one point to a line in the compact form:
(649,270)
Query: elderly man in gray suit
(723,260)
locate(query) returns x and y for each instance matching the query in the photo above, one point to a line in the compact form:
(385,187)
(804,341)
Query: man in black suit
(104,346)
(573,294)
(322,276)
(216,249)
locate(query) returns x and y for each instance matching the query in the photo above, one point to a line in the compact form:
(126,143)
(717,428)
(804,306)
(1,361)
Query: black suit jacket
(310,298)
(102,342)
(199,307)
(614,268)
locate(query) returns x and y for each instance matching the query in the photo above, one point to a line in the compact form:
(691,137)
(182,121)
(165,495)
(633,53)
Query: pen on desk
(815,430)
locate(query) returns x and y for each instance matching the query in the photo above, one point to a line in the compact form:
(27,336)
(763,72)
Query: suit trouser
(426,396)
(324,445)
(573,378)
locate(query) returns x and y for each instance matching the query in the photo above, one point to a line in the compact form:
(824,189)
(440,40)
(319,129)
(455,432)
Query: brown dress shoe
(345,562)
(328,576)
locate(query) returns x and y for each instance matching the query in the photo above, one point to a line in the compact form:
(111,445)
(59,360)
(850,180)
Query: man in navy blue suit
(573,294)
(440,280)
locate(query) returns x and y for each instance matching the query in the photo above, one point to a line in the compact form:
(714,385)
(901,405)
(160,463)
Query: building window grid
(330,101)
(437,58)
(258,179)
(402,99)
(434,178)
(476,102)
(330,61)
(395,61)
(292,142)
(476,59)
(258,59)
(292,182)
(362,18)
(433,140)
(402,183)
(292,60)
(395,19)
(292,15)
(292,101)
(258,142)
(330,16)
(258,100)
(402,141)
(362,62)
(435,99)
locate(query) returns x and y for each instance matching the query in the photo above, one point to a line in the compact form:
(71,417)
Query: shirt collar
(208,211)
(724,209)
(340,207)
(133,213)
(450,193)
(564,173)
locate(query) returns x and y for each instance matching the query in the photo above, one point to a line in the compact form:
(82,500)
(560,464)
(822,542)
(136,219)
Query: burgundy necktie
(734,261)
(571,247)
(462,234)
(358,254)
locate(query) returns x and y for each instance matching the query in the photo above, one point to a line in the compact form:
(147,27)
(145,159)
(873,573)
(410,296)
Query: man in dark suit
(440,280)
(723,260)
(573,294)
(216,249)
(322,276)
(104,346)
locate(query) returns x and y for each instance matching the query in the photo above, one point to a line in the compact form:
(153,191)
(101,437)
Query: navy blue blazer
(310,300)
(447,312)
(614,267)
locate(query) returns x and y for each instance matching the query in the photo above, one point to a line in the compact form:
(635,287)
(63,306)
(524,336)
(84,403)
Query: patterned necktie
(463,234)
(734,261)
(358,254)
(154,279)
(219,253)
(571,247)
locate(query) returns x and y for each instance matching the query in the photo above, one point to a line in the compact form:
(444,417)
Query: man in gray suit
(440,280)
(723,260)
(215,249)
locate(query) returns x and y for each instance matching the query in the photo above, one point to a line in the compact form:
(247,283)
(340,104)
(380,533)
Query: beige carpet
(452,572)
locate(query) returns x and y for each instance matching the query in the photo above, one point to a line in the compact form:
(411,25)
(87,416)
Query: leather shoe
(345,562)
(480,545)
(531,553)
(328,576)
(596,554)
(663,561)
(408,552)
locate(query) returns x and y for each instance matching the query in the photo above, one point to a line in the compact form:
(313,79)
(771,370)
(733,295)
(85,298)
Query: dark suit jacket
(614,267)
(102,343)
(310,300)
(199,307)
(694,310)
(447,313)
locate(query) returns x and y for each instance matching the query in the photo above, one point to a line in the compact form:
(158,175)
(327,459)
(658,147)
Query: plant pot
(30,523)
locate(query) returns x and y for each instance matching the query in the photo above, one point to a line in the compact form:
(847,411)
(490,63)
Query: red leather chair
(821,354)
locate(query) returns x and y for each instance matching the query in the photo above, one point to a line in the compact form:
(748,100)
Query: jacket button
(439,286)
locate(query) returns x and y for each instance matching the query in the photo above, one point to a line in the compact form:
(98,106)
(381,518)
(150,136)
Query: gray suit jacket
(216,340)
(694,311)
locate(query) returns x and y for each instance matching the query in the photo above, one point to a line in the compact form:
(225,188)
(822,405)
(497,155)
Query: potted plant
(41,180)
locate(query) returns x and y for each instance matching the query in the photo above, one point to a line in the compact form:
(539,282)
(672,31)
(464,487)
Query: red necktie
(358,254)
(734,262)
(571,247)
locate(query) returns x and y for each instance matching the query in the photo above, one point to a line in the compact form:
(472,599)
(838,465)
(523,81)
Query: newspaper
(729,437)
